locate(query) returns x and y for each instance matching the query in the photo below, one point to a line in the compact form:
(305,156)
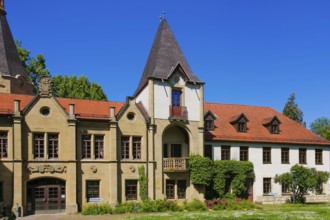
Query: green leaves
(143,184)
(292,111)
(302,179)
(203,171)
(63,86)
(200,169)
(321,127)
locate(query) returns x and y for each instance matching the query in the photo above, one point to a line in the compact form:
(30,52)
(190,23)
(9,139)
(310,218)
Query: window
(136,148)
(53,146)
(274,129)
(318,156)
(182,185)
(267,185)
(241,127)
(225,152)
(86,146)
(3,144)
(285,189)
(98,146)
(244,153)
(131,189)
(208,151)
(176,97)
(170,187)
(39,146)
(209,125)
(92,189)
(125,148)
(302,156)
(266,155)
(285,159)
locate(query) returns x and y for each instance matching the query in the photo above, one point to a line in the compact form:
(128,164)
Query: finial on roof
(162,16)
(2,7)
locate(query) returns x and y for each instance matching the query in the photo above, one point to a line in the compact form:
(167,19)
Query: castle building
(58,154)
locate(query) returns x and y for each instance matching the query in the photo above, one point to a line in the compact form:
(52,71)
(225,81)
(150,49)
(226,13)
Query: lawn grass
(264,212)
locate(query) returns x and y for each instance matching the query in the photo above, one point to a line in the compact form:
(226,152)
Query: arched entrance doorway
(46,196)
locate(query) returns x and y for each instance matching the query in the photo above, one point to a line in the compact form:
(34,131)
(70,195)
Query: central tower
(173,98)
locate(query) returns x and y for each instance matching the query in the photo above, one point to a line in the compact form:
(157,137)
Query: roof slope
(164,56)
(10,64)
(290,131)
(87,109)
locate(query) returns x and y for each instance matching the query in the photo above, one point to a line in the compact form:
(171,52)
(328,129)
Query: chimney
(71,113)
(17,107)
(112,113)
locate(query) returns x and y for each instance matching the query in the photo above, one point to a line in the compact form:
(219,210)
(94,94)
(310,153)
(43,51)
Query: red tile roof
(88,109)
(290,131)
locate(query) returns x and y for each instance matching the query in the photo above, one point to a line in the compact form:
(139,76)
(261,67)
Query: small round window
(130,116)
(45,111)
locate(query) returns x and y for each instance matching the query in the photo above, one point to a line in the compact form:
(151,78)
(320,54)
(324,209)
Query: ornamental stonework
(46,169)
(45,87)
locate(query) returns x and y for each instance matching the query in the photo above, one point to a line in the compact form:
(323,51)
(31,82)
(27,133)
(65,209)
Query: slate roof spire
(164,57)
(10,64)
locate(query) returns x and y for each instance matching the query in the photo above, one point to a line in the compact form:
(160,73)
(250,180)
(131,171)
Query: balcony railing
(176,164)
(178,112)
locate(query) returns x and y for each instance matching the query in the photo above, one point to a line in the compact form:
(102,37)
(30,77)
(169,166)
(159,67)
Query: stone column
(71,184)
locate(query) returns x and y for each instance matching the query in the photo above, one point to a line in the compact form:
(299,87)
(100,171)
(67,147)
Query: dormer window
(209,119)
(241,127)
(274,129)
(240,123)
(273,125)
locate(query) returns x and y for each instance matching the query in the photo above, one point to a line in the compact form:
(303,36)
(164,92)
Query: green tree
(63,86)
(302,179)
(292,111)
(321,126)
(77,87)
(34,66)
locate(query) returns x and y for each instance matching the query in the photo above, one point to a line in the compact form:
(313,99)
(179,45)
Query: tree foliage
(77,87)
(302,179)
(292,111)
(34,66)
(63,86)
(321,127)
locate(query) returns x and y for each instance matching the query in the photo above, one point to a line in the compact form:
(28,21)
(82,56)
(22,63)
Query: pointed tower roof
(164,57)
(10,64)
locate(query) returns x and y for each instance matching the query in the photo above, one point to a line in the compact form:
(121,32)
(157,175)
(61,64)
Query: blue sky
(253,52)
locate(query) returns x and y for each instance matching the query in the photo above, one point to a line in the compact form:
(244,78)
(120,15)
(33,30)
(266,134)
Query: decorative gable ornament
(45,87)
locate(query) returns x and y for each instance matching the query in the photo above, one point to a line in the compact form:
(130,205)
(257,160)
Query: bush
(195,205)
(159,206)
(129,207)
(97,209)
(229,203)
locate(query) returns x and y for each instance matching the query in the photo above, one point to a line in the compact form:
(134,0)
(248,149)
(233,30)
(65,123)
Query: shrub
(129,207)
(229,203)
(159,206)
(96,209)
(200,169)
(195,205)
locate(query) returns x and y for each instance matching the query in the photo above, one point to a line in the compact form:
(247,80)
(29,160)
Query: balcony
(179,113)
(176,164)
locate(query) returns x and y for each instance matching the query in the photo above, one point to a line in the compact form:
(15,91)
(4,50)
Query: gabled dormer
(240,123)
(209,119)
(273,125)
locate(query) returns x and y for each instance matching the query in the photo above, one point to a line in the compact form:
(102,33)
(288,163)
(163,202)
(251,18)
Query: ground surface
(271,212)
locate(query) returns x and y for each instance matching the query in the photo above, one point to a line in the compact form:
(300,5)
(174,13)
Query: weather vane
(162,16)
